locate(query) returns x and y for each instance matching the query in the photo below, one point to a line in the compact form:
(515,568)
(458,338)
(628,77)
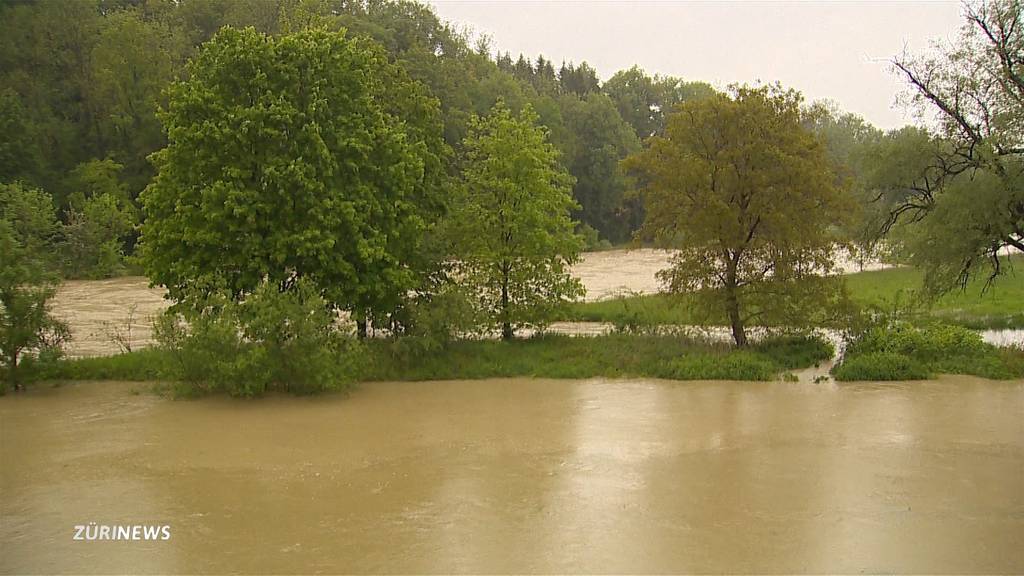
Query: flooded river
(521,476)
(96,310)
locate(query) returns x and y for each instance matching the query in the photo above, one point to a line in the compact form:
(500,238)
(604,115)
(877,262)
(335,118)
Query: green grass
(551,356)
(1001,306)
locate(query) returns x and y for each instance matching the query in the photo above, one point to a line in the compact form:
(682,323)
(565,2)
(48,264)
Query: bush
(899,351)
(272,340)
(929,343)
(881,366)
(431,322)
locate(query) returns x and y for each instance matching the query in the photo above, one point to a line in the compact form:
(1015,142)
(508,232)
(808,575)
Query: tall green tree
(747,196)
(132,61)
(512,229)
(645,101)
(849,141)
(28,234)
(597,140)
(968,200)
(307,155)
(20,156)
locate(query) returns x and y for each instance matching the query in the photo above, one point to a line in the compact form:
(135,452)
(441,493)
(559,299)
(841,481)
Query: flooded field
(521,476)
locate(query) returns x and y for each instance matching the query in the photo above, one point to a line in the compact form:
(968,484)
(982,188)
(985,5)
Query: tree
(28,228)
(132,61)
(580,80)
(20,157)
(849,141)
(969,197)
(644,102)
(301,156)
(598,140)
(747,197)
(514,238)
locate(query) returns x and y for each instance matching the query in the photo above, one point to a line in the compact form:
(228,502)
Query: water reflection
(522,476)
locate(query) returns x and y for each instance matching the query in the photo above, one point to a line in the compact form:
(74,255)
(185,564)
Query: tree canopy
(748,197)
(306,155)
(511,227)
(967,199)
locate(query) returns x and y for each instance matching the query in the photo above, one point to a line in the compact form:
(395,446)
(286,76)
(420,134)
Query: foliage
(881,366)
(513,236)
(645,102)
(598,140)
(748,198)
(965,195)
(27,229)
(309,155)
(433,321)
(899,351)
(20,156)
(272,340)
(94,236)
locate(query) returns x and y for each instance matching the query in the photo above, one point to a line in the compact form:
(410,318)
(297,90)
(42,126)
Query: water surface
(522,476)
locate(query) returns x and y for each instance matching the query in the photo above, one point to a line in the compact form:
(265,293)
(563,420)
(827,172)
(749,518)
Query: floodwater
(97,309)
(524,475)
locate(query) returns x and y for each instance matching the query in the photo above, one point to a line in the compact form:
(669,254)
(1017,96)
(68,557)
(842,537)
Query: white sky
(834,50)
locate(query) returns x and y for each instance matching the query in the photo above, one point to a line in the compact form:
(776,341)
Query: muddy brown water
(523,475)
(96,310)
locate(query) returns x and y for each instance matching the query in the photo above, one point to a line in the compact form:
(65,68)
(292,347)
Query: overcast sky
(834,50)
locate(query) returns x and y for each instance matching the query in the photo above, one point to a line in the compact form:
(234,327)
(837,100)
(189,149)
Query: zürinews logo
(93,532)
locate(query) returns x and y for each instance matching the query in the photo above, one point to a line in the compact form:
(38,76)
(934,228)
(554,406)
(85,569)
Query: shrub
(899,351)
(431,322)
(881,366)
(930,343)
(287,340)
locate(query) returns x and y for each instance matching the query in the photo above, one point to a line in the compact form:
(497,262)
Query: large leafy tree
(28,233)
(967,198)
(747,196)
(597,140)
(644,101)
(300,156)
(512,229)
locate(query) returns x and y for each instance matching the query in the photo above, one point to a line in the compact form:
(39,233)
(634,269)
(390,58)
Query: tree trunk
(361,329)
(732,303)
(739,333)
(13,376)
(506,324)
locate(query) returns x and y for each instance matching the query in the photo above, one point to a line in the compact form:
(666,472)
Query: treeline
(274,159)
(81,84)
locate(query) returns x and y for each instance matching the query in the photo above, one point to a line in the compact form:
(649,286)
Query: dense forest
(82,84)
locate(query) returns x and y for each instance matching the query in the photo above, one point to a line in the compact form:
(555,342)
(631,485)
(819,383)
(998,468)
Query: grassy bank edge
(547,356)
